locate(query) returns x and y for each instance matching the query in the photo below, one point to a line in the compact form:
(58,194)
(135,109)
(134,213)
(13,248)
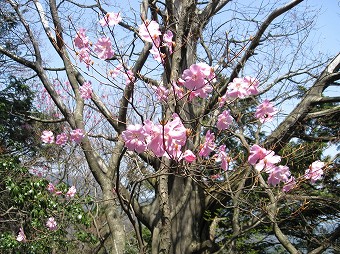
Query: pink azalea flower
(157,55)
(263,159)
(50,187)
(134,138)
(208,146)
(51,224)
(268,162)
(84,56)
(114,73)
(81,40)
(265,111)
(223,157)
(21,236)
(189,156)
(242,87)
(315,172)
(161,92)
(149,31)
(77,135)
(202,92)
(110,19)
(198,78)
(252,85)
(278,174)
(103,48)
(256,153)
(71,192)
(167,39)
(86,90)
(290,184)
(129,77)
(178,91)
(224,120)
(194,77)
(61,139)
(47,137)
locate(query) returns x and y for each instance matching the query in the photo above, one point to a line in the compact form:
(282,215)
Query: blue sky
(328,25)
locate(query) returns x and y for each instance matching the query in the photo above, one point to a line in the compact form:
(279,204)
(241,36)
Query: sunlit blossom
(47,137)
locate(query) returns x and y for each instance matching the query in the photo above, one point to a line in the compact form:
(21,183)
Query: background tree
(154,95)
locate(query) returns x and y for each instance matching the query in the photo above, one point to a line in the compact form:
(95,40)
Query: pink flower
(265,111)
(114,73)
(21,236)
(198,78)
(279,174)
(256,153)
(129,77)
(71,192)
(268,162)
(84,56)
(315,172)
(86,90)
(224,120)
(50,187)
(208,146)
(61,139)
(161,92)
(177,90)
(262,158)
(189,156)
(103,48)
(134,138)
(110,19)
(223,157)
(51,224)
(149,31)
(242,87)
(77,135)
(81,40)
(47,137)
(194,77)
(290,184)
(167,39)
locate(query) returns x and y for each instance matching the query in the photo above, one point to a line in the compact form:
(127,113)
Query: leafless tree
(173,199)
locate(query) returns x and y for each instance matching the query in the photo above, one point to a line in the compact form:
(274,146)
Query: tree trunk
(189,229)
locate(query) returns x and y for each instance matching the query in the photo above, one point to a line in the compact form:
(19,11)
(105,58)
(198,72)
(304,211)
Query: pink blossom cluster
(51,224)
(240,88)
(86,90)
(69,194)
(266,160)
(127,73)
(223,157)
(265,111)
(209,144)
(224,120)
(162,93)
(161,139)
(198,79)
(82,42)
(110,19)
(315,172)
(76,135)
(150,31)
(103,47)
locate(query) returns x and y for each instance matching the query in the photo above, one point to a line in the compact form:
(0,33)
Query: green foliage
(28,204)
(16,132)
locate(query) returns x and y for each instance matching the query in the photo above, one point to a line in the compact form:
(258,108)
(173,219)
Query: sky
(328,24)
